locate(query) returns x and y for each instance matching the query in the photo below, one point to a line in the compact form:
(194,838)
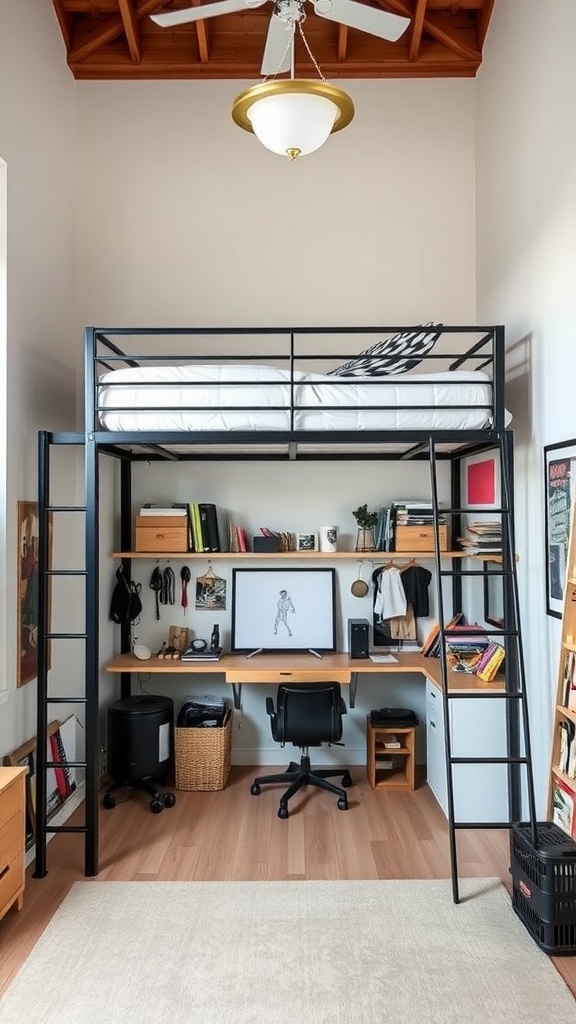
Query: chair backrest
(308,714)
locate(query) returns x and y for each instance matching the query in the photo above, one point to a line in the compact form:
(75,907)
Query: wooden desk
(305,668)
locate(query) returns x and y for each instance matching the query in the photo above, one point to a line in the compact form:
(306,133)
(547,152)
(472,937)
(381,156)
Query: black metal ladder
(518,757)
(47,514)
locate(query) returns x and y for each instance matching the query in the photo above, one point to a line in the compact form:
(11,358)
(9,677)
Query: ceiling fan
(286,15)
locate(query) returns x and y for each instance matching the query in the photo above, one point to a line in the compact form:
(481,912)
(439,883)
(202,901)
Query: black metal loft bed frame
(291,349)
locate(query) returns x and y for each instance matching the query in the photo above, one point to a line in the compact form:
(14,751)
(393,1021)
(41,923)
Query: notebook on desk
(191,655)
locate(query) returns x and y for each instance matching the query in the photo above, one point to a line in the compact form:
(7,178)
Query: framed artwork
(283,610)
(306,542)
(27,591)
(559,491)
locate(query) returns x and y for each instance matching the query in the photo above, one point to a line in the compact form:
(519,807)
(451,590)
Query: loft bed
(385,393)
(297,393)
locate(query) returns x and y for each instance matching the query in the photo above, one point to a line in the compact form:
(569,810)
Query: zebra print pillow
(398,354)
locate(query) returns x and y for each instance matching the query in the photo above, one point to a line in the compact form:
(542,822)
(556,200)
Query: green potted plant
(366,522)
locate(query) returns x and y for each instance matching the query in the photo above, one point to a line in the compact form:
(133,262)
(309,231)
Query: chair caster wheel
(156,806)
(342,803)
(255,789)
(282,811)
(169,799)
(347,780)
(109,802)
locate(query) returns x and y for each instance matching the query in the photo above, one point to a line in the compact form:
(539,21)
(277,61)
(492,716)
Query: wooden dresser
(12,847)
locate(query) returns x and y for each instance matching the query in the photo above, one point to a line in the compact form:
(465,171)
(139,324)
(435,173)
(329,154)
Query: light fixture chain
(310,54)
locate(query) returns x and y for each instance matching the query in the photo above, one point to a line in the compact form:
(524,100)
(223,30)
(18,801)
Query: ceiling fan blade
(277,40)
(170,18)
(367,19)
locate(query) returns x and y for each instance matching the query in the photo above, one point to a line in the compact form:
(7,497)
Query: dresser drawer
(11,840)
(299,675)
(11,883)
(10,801)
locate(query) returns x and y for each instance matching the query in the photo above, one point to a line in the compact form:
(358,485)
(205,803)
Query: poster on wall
(559,489)
(27,660)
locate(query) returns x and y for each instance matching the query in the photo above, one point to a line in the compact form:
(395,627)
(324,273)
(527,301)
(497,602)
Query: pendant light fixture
(293,117)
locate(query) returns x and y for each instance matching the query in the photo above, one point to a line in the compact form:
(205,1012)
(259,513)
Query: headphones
(199,645)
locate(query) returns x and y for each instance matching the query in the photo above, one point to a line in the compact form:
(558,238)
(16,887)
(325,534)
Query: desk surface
(302,668)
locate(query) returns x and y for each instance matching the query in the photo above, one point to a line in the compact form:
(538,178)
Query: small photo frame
(306,542)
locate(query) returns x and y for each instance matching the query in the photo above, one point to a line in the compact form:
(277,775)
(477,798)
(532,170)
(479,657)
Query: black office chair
(306,715)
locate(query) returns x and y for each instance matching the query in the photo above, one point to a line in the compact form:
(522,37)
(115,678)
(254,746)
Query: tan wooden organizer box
(12,847)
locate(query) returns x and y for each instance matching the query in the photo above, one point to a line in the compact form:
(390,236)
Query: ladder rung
(488,760)
(483,824)
(66,572)
(65,700)
(477,572)
(65,508)
(66,764)
(504,511)
(66,828)
(66,636)
(486,695)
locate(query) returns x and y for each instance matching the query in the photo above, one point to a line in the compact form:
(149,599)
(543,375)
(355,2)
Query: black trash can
(140,750)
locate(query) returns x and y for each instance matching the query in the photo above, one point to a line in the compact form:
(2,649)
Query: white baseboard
(61,817)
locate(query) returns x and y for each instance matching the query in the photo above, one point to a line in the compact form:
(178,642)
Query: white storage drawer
(478,729)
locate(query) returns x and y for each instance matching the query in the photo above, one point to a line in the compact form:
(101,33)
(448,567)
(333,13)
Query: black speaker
(140,738)
(358,638)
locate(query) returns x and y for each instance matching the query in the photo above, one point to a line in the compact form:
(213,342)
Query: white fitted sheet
(454,400)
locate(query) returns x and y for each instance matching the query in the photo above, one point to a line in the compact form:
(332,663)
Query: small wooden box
(419,538)
(161,533)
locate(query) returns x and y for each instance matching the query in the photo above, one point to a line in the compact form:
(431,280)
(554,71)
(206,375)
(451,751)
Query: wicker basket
(203,756)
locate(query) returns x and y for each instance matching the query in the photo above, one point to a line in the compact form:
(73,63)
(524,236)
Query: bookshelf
(562,788)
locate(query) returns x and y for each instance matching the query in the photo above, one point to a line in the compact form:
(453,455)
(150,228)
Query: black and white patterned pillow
(398,354)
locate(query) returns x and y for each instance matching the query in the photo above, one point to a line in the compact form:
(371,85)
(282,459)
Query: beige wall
(526,200)
(37,131)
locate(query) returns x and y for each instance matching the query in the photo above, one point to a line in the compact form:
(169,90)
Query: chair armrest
(270,707)
(343,708)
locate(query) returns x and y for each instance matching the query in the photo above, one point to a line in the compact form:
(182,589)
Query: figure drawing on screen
(283,607)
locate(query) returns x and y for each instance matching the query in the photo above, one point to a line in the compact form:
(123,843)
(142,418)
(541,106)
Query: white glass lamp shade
(293,117)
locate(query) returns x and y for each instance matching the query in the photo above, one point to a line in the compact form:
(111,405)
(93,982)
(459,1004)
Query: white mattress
(217,390)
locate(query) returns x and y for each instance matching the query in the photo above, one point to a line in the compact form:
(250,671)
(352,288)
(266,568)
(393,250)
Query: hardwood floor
(231,835)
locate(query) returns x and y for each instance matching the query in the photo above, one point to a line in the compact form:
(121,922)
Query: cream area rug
(358,952)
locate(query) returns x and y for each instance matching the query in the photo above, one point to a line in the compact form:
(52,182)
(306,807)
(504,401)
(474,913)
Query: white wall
(185,220)
(37,142)
(526,217)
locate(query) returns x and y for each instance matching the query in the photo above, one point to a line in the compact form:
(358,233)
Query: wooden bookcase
(562,791)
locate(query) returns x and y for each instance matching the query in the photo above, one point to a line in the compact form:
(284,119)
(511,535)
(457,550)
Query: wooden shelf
(328,556)
(562,787)
(401,774)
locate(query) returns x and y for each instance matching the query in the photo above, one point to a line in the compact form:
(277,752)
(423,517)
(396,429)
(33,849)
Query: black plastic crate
(544,885)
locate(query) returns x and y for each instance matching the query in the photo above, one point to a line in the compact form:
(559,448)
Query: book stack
(563,807)
(412,512)
(431,645)
(467,651)
(482,537)
(490,662)
(204,526)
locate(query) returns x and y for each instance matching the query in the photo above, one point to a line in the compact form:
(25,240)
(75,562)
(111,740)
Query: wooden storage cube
(161,533)
(419,538)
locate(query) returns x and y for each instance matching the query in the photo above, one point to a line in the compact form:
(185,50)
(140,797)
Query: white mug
(328,538)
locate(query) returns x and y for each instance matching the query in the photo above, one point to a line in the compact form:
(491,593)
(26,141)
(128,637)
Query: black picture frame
(289,610)
(559,493)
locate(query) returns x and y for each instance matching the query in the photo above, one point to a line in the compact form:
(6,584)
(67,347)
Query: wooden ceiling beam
(131,29)
(435,27)
(65,23)
(342,43)
(482,22)
(110,28)
(416,32)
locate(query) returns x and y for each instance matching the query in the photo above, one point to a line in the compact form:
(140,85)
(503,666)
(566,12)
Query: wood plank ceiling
(115,39)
